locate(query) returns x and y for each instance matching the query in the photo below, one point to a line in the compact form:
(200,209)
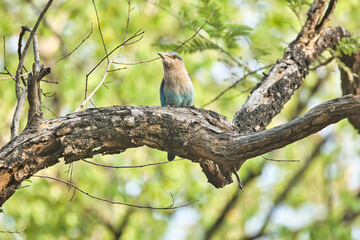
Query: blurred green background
(243,35)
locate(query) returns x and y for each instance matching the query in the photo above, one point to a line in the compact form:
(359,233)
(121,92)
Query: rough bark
(350,83)
(195,134)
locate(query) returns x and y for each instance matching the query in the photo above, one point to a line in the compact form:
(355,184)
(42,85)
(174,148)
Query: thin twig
(12,77)
(49,110)
(207,20)
(114,202)
(27,45)
(48,81)
(234,84)
(117,69)
(135,166)
(17,114)
(12,232)
(127,26)
(4,44)
(101,35)
(322,64)
(137,34)
(277,160)
(182,44)
(135,63)
(67,55)
(92,101)
(47,24)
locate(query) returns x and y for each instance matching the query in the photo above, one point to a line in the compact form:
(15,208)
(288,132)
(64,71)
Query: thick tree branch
(284,78)
(276,89)
(350,82)
(198,133)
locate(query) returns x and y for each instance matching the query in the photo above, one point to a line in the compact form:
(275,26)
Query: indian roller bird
(176,88)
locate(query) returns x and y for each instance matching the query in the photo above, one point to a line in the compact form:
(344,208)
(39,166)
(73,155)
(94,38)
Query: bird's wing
(189,76)
(162,95)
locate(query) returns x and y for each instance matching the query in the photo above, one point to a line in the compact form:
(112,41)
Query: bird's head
(171,60)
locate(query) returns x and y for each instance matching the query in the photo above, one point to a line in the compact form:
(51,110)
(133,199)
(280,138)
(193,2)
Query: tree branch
(27,45)
(17,114)
(199,134)
(350,82)
(171,206)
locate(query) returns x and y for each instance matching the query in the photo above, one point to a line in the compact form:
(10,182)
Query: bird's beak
(162,55)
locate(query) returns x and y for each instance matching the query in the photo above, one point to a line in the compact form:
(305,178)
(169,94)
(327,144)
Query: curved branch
(189,132)
(350,81)
(276,88)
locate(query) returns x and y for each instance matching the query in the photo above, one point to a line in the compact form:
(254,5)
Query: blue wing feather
(162,95)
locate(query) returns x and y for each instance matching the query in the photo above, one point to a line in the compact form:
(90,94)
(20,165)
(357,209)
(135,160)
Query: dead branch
(171,206)
(27,45)
(139,34)
(182,44)
(67,55)
(135,166)
(235,84)
(100,31)
(17,114)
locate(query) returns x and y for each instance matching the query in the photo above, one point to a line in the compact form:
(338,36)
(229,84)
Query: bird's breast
(178,82)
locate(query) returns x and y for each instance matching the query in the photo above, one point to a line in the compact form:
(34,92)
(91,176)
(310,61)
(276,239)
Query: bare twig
(326,17)
(207,20)
(46,23)
(277,160)
(322,63)
(114,202)
(182,44)
(49,110)
(12,232)
(27,45)
(136,166)
(34,90)
(117,69)
(48,81)
(234,84)
(135,63)
(127,26)
(101,35)
(4,45)
(137,34)
(127,42)
(17,114)
(67,55)
(12,77)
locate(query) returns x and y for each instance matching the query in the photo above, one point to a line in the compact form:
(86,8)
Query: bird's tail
(171,156)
